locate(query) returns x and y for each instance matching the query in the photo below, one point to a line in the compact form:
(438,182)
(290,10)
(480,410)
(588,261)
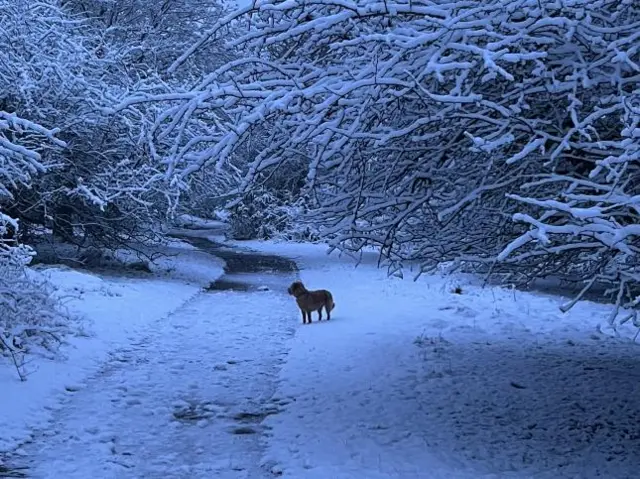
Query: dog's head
(295,288)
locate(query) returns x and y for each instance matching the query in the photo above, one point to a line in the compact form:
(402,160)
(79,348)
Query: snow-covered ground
(112,312)
(429,379)
(411,380)
(185,400)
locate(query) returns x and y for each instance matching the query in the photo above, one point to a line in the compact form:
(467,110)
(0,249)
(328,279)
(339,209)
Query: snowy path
(435,379)
(185,401)
(411,380)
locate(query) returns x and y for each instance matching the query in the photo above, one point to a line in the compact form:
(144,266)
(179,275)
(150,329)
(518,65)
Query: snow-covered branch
(441,107)
(428,127)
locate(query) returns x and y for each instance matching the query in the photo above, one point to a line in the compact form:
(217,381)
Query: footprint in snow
(73,388)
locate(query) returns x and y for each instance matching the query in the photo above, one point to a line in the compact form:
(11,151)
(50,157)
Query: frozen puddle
(185,401)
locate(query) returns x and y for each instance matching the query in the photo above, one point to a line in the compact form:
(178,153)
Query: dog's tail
(330,303)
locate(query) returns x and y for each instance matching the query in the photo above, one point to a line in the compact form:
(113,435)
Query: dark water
(245,269)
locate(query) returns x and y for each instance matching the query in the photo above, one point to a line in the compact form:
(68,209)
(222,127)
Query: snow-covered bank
(190,221)
(412,380)
(115,312)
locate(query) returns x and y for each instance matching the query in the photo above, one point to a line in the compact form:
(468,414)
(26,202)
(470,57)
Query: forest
(496,137)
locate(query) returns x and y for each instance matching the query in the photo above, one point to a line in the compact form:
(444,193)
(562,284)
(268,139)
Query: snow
(113,311)
(436,378)
(183,401)
(411,379)
(191,221)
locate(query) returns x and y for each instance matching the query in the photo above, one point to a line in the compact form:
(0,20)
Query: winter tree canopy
(497,136)
(498,133)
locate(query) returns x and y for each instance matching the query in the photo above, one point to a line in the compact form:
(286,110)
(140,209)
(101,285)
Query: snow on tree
(427,125)
(147,36)
(151,34)
(30,320)
(53,75)
(64,69)
(21,147)
(593,226)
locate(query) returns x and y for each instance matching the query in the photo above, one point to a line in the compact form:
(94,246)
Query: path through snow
(184,401)
(435,379)
(412,380)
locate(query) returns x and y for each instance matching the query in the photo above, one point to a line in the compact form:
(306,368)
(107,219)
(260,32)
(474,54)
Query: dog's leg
(320,314)
(304,316)
(309,316)
(326,307)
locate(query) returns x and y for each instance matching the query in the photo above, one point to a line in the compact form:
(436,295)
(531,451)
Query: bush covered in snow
(32,321)
(275,207)
(68,65)
(58,72)
(30,318)
(262,215)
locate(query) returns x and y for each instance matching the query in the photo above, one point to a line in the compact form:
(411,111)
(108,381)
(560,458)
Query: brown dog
(309,301)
